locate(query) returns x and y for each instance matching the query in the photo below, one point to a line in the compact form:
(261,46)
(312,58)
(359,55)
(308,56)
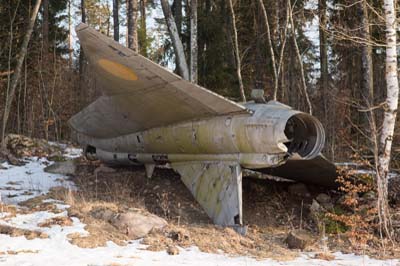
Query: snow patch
(19,183)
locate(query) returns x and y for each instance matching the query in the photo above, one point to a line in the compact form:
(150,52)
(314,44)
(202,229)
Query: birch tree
(176,41)
(389,120)
(17,72)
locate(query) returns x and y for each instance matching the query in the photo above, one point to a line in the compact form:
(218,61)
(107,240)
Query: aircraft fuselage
(267,137)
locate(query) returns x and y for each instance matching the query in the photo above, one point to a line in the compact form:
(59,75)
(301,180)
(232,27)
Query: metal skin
(256,140)
(206,138)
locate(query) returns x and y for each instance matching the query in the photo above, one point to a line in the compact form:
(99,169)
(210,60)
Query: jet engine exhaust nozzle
(306,136)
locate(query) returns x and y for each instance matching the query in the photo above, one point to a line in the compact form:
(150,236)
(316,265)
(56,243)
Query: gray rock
(299,189)
(103,169)
(56,156)
(299,239)
(137,225)
(325,200)
(316,207)
(63,168)
(316,211)
(14,160)
(102,214)
(7,156)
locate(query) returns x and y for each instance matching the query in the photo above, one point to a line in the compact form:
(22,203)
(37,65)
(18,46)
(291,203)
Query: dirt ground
(270,213)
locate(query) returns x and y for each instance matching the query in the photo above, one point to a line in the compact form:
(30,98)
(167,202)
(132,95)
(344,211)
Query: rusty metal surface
(139,94)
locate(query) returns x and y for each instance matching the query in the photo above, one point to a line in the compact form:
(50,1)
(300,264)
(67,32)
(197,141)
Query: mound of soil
(270,211)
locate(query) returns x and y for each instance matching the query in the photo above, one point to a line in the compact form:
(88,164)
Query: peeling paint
(217,187)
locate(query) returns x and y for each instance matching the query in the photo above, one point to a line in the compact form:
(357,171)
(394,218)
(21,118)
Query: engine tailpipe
(306,137)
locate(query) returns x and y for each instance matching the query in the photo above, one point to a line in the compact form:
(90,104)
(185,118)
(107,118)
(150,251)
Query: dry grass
(269,211)
(100,230)
(165,196)
(36,204)
(14,232)
(61,221)
(324,256)
(16,252)
(213,239)
(11,210)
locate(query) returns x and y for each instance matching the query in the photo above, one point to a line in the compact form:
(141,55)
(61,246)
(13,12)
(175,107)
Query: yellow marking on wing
(117,69)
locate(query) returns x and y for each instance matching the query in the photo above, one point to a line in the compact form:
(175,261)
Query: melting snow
(19,183)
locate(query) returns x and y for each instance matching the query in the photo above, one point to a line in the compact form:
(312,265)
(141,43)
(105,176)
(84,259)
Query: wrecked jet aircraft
(148,115)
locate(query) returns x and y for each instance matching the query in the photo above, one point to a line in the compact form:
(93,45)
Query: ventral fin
(217,186)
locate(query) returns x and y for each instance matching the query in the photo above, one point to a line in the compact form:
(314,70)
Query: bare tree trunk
(283,45)
(177,13)
(17,71)
(116,19)
(143,27)
(258,87)
(367,85)
(83,11)
(303,79)
(236,48)
(10,46)
(176,41)
(108,20)
(367,64)
(133,25)
(193,41)
(176,10)
(186,41)
(323,56)
(81,87)
(271,49)
(45,27)
(70,48)
(389,120)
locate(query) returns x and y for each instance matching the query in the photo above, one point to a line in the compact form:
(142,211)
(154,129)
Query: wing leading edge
(139,94)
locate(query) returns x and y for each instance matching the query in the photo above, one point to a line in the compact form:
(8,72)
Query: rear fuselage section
(266,137)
